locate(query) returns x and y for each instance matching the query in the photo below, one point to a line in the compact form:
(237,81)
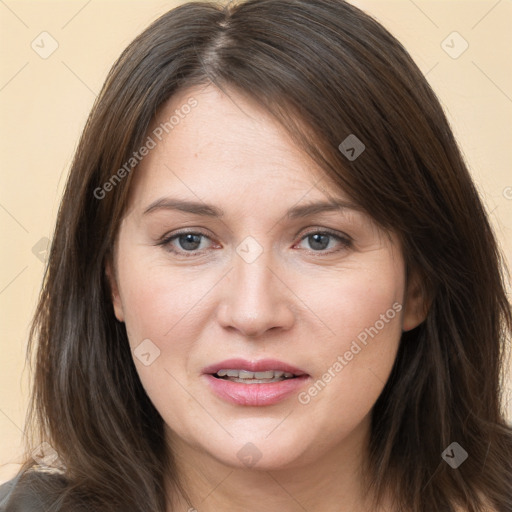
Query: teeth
(245,374)
(269,374)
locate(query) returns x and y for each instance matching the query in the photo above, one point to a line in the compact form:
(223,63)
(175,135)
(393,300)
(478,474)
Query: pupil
(316,243)
(190,238)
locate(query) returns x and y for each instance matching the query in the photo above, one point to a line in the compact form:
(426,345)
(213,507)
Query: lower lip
(255,394)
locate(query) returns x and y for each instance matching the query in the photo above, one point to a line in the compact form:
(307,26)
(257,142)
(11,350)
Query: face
(222,263)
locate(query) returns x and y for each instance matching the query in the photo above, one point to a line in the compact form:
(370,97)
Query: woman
(272,283)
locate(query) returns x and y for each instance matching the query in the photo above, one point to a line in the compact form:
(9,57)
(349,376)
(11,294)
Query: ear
(416,305)
(114,290)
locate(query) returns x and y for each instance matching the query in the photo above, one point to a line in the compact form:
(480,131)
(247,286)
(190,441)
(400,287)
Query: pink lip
(253,366)
(254,394)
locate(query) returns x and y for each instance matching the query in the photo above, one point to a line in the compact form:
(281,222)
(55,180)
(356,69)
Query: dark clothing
(26,492)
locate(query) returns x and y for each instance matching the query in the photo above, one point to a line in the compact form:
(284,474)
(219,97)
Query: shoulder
(33,490)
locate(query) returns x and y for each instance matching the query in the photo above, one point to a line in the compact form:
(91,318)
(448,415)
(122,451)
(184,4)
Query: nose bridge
(256,300)
(253,280)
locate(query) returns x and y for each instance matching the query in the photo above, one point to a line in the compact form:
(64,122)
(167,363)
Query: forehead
(209,144)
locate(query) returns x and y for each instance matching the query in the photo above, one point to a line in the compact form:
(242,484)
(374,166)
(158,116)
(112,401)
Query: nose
(256,298)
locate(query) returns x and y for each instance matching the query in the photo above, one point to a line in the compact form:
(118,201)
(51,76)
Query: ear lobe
(114,290)
(416,305)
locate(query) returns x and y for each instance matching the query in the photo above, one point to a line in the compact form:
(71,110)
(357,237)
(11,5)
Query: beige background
(44,104)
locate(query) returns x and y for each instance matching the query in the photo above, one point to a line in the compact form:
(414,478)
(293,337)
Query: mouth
(254,383)
(262,371)
(248,377)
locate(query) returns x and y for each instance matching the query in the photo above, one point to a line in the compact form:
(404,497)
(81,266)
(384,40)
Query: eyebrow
(208,210)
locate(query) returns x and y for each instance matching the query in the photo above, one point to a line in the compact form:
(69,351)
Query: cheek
(169,307)
(162,310)
(352,301)
(361,312)
(158,301)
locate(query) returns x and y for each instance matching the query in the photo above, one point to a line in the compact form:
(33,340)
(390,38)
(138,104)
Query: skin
(302,301)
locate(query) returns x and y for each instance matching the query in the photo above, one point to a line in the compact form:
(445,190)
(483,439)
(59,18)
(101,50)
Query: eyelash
(165,242)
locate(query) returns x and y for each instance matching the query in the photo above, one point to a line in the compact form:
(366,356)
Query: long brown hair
(324,70)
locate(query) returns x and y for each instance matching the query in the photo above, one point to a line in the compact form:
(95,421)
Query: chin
(261,452)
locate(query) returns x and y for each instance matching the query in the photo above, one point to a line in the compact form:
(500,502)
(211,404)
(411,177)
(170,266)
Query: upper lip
(261,365)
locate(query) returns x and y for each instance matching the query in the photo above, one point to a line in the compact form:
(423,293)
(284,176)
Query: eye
(186,243)
(321,240)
